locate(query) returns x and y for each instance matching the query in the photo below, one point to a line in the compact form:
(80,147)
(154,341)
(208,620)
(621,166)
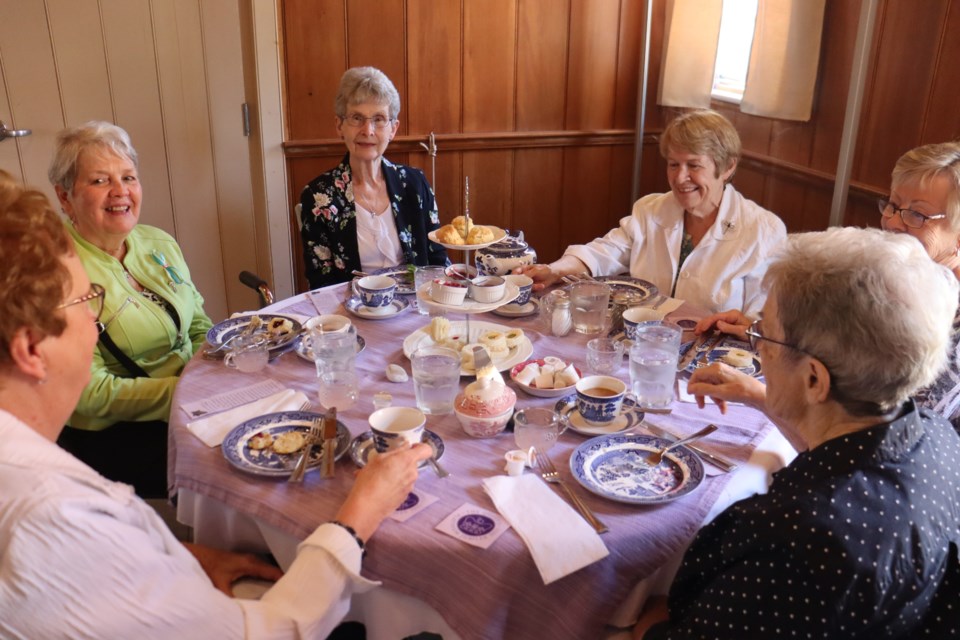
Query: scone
(463,225)
(289,442)
(447,234)
(738,358)
(479,234)
(262,440)
(279,327)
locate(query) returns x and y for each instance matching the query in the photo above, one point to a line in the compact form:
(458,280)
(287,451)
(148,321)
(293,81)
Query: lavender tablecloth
(492,593)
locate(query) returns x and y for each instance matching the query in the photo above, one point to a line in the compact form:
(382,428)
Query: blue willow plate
(613,467)
(355,306)
(633,285)
(362,445)
(718,352)
(402,275)
(228,329)
(267,462)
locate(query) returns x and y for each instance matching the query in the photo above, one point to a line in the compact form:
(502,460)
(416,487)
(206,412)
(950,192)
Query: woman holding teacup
(83,556)
(368,212)
(153,320)
(702,242)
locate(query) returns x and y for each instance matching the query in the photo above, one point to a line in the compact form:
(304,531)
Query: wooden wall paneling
(905,61)
(179,43)
(315,56)
(84,86)
(32,91)
(375,37)
(621,182)
(942,118)
(489,65)
(448,188)
(300,171)
(585,207)
(537,202)
(434,42)
(491,186)
(632,14)
(653,179)
(592,64)
(9,156)
(137,103)
(542,32)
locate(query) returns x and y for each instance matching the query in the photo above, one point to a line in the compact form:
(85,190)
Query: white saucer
(518,311)
(630,416)
(357,308)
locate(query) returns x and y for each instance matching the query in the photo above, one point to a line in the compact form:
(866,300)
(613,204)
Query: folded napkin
(213,429)
(558,538)
(670,305)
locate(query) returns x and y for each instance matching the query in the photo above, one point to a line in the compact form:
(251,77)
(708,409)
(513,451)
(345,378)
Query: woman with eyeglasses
(81,556)
(368,213)
(153,319)
(857,537)
(924,202)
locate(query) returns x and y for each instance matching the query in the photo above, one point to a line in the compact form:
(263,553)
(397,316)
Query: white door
(170,73)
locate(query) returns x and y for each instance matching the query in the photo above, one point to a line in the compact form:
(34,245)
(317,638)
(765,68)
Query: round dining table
(432,581)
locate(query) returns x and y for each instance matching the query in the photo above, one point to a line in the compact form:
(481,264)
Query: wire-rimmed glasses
(356,120)
(94,299)
(911,218)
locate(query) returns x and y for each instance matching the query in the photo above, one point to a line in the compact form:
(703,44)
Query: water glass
(604,356)
(334,354)
(436,379)
(653,363)
(538,428)
(422,276)
(588,306)
(247,353)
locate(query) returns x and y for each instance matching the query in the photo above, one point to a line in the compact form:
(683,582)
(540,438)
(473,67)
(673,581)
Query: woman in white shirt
(702,242)
(81,556)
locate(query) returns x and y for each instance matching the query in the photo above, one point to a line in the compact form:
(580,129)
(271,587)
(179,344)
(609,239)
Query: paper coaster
(416,502)
(474,525)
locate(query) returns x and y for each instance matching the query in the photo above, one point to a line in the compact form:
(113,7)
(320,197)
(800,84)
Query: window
(733,49)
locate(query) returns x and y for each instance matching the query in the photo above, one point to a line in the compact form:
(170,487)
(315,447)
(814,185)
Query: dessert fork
(549,473)
(654,458)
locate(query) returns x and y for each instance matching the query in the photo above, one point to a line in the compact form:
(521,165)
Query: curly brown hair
(33,278)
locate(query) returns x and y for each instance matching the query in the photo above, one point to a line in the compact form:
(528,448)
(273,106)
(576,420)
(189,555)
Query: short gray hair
(366,84)
(872,306)
(920,165)
(75,140)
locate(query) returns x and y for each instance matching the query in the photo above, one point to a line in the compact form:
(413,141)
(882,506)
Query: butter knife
(721,463)
(692,351)
(707,348)
(329,443)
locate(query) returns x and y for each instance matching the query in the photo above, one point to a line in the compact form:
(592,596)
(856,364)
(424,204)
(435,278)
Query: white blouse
(83,557)
(377,239)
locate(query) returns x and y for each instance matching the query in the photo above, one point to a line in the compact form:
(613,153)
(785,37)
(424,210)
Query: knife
(329,442)
(707,348)
(693,351)
(721,463)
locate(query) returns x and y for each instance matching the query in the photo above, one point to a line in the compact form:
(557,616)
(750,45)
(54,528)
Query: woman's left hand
(225,567)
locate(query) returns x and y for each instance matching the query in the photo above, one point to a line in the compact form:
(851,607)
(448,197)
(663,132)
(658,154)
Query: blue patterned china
(502,257)
(375,291)
(646,290)
(356,307)
(279,331)
(599,399)
(614,467)
(524,284)
(514,310)
(362,445)
(630,417)
(721,352)
(403,277)
(250,445)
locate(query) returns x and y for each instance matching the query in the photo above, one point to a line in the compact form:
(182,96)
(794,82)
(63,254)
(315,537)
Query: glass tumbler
(653,363)
(334,354)
(538,428)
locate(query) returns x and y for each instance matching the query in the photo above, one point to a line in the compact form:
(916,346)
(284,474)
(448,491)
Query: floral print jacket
(329,215)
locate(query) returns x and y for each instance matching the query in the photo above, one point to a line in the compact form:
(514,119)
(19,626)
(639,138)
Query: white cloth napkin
(670,305)
(213,429)
(558,538)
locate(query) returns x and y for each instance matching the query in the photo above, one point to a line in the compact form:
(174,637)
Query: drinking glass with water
(436,379)
(653,363)
(334,354)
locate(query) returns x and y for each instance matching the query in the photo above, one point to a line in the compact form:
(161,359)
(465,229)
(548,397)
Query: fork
(312,437)
(549,473)
(654,458)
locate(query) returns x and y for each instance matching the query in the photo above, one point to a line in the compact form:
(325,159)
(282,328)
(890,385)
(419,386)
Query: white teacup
(328,323)
(396,427)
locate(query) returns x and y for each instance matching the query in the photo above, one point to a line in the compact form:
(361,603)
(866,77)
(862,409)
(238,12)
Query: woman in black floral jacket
(367,213)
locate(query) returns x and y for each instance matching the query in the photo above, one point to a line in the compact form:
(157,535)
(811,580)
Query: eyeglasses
(911,218)
(754,336)
(357,120)
(94,300)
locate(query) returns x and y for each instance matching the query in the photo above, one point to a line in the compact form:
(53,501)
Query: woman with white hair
(367,213)
(153,320)
(858,536)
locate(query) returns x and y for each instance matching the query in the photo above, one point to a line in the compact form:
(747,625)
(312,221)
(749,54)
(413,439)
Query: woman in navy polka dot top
(858,537)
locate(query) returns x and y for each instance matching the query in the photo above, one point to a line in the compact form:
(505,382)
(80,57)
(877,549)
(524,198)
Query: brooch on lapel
(175,277)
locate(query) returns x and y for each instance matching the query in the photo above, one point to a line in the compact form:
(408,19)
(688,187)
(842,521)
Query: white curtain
(784,59)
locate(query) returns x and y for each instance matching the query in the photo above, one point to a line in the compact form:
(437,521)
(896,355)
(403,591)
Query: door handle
(12,133)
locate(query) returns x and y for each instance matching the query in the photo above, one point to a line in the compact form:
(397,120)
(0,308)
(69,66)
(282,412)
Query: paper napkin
(213,429)
(559,539)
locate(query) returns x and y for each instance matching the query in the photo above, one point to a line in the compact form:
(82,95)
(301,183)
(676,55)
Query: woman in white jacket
(702,242)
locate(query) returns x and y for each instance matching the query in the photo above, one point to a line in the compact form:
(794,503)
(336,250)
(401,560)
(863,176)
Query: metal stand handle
(12,133)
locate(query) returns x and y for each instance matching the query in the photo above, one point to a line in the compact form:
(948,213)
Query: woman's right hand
(722,384)
(381,487)
(733,322)
(543,276)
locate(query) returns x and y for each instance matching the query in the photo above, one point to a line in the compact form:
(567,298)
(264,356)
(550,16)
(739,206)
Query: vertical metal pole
(851,120)
(641,103)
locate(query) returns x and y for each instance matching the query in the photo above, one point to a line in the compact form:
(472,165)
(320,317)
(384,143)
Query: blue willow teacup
(637,315)
(525,284)
(396,427)
(376,291)
(600,398)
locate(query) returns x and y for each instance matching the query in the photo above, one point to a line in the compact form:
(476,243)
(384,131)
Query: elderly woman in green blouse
(153,319)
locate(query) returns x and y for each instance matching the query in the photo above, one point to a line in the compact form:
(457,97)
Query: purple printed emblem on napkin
(473,525)
(416,502)
(411,501)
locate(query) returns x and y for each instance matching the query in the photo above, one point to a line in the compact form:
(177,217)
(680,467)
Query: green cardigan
(142,330)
